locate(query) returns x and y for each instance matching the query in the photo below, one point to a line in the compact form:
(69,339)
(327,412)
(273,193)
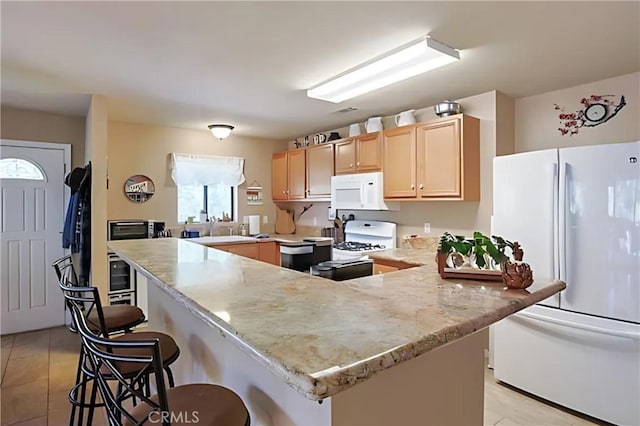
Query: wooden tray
(466,273)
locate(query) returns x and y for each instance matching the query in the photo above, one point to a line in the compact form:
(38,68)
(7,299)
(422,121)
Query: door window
(17,168)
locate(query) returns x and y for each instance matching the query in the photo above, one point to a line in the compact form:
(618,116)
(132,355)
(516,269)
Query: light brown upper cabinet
(438,160)
(399,162)
(359,154)
(288,177)
(319,170)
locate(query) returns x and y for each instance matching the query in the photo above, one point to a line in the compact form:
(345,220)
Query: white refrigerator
(576,213)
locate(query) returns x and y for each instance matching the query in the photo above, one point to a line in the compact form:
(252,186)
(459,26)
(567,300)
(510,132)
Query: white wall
(537,121)
(28,125)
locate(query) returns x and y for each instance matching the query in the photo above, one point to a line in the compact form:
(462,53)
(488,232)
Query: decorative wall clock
(597,109)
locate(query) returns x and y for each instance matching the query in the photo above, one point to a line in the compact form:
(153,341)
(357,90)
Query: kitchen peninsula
(398,348)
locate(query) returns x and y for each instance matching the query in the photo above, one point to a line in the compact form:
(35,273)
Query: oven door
(127,230)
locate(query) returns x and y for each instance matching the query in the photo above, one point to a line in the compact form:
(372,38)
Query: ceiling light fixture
(220,131)
(404,62)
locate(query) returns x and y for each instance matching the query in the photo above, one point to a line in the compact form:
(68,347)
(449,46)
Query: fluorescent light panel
(400,64)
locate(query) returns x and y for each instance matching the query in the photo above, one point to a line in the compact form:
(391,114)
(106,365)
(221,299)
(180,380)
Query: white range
(365,236)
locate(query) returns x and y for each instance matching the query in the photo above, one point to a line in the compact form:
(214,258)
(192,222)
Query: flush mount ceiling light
(404,62)
(220,131)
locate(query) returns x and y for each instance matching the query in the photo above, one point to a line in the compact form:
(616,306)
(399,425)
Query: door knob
(421,186)
(413,187)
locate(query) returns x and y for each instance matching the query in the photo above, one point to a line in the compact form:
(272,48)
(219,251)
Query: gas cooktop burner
(355,246)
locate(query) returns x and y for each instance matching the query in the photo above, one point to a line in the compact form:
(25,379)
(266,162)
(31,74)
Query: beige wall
(145,149)
(537,121)
(453,216)
(27,125)
(96,152)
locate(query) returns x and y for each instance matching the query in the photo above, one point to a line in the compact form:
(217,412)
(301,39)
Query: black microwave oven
(133,229)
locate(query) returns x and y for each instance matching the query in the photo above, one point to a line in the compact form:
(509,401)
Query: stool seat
(214,405)
(116,318)
(168,348)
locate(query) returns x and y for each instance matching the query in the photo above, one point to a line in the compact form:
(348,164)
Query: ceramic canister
(373,124)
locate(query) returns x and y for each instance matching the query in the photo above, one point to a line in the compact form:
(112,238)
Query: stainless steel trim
(296,250)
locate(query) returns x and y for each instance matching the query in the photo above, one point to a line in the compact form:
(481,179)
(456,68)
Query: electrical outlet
(265,219)
(427,228)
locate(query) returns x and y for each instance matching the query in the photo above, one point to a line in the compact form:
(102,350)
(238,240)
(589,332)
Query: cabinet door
(269,252)
(439,160)
(368,153)
(296,179)
(319,170)
(345,157)
(249,250)
(399,164)
(383,269)
(279,176)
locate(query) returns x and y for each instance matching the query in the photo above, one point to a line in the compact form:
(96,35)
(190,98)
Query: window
(206,183)
(17,168)
(215,200)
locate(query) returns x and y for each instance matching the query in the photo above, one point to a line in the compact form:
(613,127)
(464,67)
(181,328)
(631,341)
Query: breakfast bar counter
(397,348)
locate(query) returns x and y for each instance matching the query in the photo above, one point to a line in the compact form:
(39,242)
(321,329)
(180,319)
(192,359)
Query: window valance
(190,169)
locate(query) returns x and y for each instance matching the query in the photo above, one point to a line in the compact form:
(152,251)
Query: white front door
(32,204)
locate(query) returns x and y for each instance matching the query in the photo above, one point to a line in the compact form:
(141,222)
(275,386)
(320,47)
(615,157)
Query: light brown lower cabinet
(382,269)
(383,266)
(268,252)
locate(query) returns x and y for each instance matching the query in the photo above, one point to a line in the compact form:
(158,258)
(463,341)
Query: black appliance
(302,255)
(123,286)
(134,229)
(297,255)
(322,250)
(340,270)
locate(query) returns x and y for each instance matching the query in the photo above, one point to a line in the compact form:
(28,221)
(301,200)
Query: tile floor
(38,369)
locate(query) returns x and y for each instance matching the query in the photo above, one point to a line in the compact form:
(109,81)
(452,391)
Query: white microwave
(360,191)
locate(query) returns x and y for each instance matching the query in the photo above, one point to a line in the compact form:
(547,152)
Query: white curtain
(189,169)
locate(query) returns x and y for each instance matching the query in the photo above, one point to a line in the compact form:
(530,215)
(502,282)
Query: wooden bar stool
(202,404)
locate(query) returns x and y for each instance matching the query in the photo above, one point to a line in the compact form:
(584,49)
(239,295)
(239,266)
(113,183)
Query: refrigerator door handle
(554,228)
(579,326)
(562,223)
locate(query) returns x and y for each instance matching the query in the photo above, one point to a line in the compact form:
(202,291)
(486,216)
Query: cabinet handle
(413,187)
(358,164)
(421,186)
(351,165)
(284,192)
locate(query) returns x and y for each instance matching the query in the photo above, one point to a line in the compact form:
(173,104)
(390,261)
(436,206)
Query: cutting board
(284,222)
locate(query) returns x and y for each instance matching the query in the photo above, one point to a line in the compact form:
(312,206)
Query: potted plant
(455,249)
(485,252)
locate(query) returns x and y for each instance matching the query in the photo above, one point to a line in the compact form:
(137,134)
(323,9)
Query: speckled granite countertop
(237,239)
(321,336)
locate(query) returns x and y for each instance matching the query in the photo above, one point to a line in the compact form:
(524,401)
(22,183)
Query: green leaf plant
(480,245)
